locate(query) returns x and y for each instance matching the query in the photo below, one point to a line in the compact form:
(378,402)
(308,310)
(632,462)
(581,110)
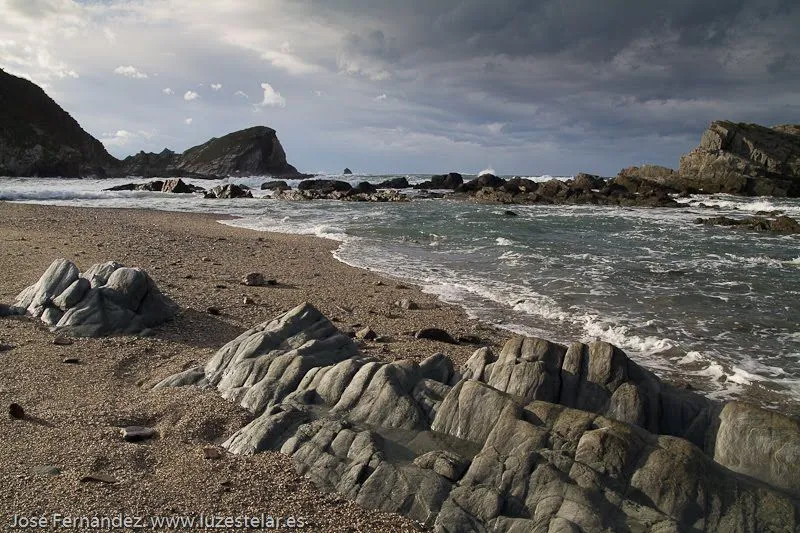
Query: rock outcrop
(324,189)
(744,159)
(174,185)
(541,437)
(781,224)
(227,192)
(39,138)
(450,181)
(583,189)
(107,299)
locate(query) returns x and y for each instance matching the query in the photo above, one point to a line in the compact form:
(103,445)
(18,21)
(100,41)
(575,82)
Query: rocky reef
(539,437)
(39,138)
(107,299)
(781,224)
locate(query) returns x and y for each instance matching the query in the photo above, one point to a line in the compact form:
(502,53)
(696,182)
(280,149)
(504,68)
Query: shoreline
(76,410)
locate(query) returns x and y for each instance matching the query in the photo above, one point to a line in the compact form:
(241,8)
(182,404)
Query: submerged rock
(541,437)
(108,299)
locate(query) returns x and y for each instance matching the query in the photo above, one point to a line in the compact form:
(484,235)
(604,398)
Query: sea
(712,307)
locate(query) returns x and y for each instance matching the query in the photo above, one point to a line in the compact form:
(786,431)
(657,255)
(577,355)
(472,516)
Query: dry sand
(75,411)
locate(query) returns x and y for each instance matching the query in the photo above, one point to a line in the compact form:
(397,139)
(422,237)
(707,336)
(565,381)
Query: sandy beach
(75,411)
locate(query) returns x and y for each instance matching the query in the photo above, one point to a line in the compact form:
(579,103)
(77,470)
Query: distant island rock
(39,138)
(347,172)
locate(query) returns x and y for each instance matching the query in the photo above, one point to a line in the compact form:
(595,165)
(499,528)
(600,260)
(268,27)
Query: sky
(524,87)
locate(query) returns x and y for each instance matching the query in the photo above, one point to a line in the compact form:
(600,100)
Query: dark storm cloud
(563,69)
(418,85)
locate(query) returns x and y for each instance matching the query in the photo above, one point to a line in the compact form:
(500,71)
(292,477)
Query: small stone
(212,310)
(212,453)
(248,301)
(401,286)
(220,286)
(383,338)
(470,339)
(188,276)
(46,470)
(5,347)
(510,213)
(405,303)
(62,341)
(205,259)
(71,361)
(366,334)
(138,433)
(254,279)
(435,334)
(95,477)
(379,283)
(16,411)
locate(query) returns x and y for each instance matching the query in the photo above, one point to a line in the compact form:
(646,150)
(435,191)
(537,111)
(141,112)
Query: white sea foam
(489,170)
(502,241)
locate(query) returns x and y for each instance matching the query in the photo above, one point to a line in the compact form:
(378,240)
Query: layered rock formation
(734,158)
(540,437)
(324,189)
(107,299)
(39,138)
(745,159)
(175,186)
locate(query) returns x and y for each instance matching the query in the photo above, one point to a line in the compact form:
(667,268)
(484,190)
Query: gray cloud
(527,86)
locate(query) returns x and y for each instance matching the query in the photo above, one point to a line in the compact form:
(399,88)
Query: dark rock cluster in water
(538,437)
(107,299)
(781,224)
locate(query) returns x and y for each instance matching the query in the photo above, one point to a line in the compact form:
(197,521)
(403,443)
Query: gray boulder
(503,446)
(108,299)
(228,191)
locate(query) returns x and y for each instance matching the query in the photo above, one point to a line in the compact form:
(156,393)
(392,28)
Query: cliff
(746,159)
(39,138)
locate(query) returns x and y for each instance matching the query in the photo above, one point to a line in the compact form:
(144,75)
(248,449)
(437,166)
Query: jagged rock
(111,300)
(485,180)
(781,224)
(350,195)
(228,191)
(748,159)
(483,452)
(451,181)
(275,186)
(519,185)
(587,182)
(394,183)
(347,172)
(366,334)
(177,186)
